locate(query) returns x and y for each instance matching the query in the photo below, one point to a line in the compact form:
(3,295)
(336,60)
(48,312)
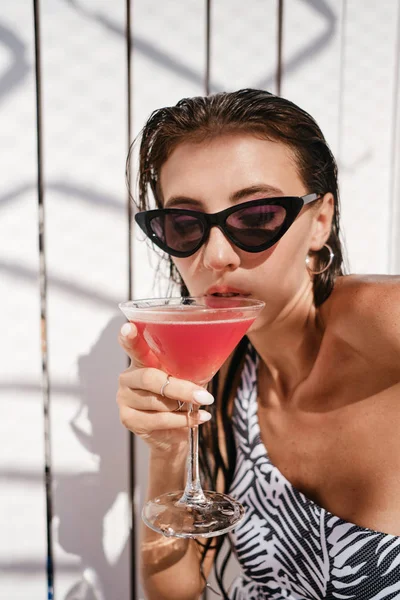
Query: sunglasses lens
(252,227)
(179,232)
(256,225)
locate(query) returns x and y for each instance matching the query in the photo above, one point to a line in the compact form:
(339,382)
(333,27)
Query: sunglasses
(252,226)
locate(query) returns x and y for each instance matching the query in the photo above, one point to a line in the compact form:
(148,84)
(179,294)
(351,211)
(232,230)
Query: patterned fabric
(288,546)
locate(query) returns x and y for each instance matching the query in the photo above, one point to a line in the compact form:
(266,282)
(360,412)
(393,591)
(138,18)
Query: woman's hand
(143,410)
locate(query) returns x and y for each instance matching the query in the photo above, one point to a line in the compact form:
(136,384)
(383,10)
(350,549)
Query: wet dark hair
(268,117)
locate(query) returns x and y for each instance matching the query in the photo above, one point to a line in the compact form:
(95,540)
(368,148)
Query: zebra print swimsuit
(288,546)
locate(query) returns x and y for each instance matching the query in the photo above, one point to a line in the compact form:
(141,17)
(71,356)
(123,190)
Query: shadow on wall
(92,508)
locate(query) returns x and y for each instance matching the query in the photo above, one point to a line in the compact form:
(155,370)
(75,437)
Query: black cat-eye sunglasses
(252,226)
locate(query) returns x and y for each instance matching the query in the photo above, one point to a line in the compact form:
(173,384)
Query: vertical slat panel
(368,63)
(43,300)
(84,107)
(22,498)
(169,63)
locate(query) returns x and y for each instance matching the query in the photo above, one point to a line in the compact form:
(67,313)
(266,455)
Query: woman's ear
(322,222)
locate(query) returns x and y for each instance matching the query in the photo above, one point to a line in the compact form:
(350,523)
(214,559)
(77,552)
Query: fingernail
(203,397)
(204,416)
(126,329)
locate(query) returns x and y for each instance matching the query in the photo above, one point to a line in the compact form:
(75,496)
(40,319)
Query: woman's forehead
(226,163)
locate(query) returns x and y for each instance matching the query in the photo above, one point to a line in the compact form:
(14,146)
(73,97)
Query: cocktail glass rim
(249,303)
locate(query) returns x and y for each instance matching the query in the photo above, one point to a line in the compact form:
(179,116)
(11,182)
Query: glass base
(217,515)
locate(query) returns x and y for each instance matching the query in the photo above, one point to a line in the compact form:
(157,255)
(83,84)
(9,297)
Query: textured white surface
(243,45)
(339,64)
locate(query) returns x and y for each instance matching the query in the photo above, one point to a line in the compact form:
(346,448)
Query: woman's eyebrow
(179,200)
(267,190)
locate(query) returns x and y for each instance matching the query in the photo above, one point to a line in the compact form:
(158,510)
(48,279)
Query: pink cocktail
(183,347)
(192,337)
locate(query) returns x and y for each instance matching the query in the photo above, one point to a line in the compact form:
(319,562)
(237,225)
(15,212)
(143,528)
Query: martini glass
(192,338)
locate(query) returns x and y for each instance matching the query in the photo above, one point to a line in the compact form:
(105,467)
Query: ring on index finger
(164,385)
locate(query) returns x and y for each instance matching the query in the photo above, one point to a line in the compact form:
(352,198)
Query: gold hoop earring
(326,267)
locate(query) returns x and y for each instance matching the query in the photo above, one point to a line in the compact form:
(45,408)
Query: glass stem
(193,493)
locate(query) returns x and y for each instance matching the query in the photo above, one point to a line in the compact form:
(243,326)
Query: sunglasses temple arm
(310,198)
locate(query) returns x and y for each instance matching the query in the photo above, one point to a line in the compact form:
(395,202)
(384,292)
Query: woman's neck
(288,346)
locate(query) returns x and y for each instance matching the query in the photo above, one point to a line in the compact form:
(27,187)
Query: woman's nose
(219,253)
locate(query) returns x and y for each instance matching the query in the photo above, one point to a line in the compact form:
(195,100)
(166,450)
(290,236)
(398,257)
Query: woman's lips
(226,292)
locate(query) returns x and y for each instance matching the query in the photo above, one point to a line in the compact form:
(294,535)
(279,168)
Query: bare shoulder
(364,310)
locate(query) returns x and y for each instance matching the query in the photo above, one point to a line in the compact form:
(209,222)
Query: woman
(304,427)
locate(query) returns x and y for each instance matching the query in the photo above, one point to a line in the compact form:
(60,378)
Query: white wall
(339,62)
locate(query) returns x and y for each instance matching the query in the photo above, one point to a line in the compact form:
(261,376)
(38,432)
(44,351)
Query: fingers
(149,401)
(136,347)
(144,423)
(142,400)
(147,384)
